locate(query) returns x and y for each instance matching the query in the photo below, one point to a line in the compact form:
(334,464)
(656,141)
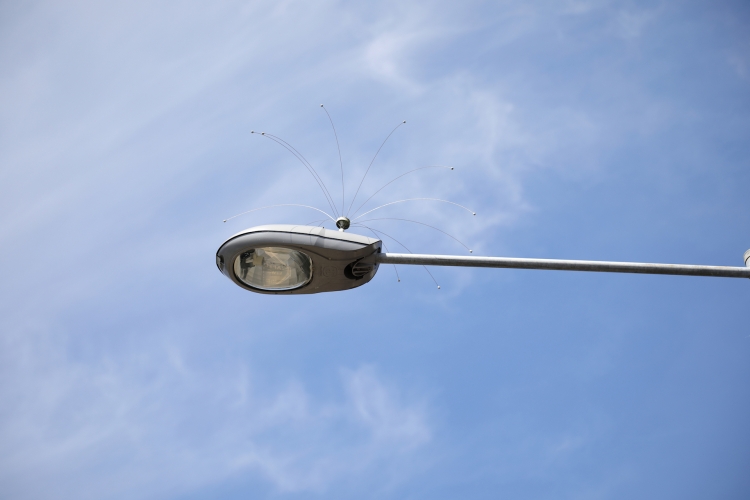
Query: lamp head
(285,259)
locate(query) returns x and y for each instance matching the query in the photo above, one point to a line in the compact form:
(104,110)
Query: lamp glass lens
(273,268)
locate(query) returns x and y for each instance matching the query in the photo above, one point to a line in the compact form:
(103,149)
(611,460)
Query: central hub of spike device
(343,223)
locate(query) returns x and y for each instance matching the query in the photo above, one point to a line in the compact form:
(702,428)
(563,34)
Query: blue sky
(131,368)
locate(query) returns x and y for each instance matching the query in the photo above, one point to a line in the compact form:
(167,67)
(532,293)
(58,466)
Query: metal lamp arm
(562,265)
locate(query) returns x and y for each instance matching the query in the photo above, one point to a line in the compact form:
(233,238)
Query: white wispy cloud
(105,118)
(124,141)
(178,426)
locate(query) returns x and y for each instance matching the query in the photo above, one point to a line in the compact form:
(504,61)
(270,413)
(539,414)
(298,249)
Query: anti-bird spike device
(302,259)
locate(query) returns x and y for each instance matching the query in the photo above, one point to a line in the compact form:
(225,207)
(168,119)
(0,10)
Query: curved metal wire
(312,169)
(394,180)
(422,223)
(307,165)
(281,205)
(368,168)
(316,222)
(341,162)
(308,223)
(394,239)
(386,249)
(413,199)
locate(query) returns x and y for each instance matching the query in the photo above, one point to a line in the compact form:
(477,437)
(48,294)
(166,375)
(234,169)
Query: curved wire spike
(307,223)
(315,172)
(422,223)
(386,249)
(281,205)
(341,162)
(368,168)
(413,199)
(394,239)
(316,222)
(394,180)
(312,170)
(305,163)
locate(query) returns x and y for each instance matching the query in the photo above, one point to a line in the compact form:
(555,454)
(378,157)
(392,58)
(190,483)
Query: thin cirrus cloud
(179,427)
(100,94)
(127,364)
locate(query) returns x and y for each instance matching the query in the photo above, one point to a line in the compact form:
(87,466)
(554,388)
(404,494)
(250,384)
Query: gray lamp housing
(285,259)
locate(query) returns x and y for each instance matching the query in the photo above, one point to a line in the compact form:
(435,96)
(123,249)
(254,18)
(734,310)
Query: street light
(286,259)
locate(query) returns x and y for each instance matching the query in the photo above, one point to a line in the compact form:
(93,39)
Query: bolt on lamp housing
(286,259)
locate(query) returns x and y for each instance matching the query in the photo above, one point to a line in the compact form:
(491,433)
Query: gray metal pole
(562,265)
